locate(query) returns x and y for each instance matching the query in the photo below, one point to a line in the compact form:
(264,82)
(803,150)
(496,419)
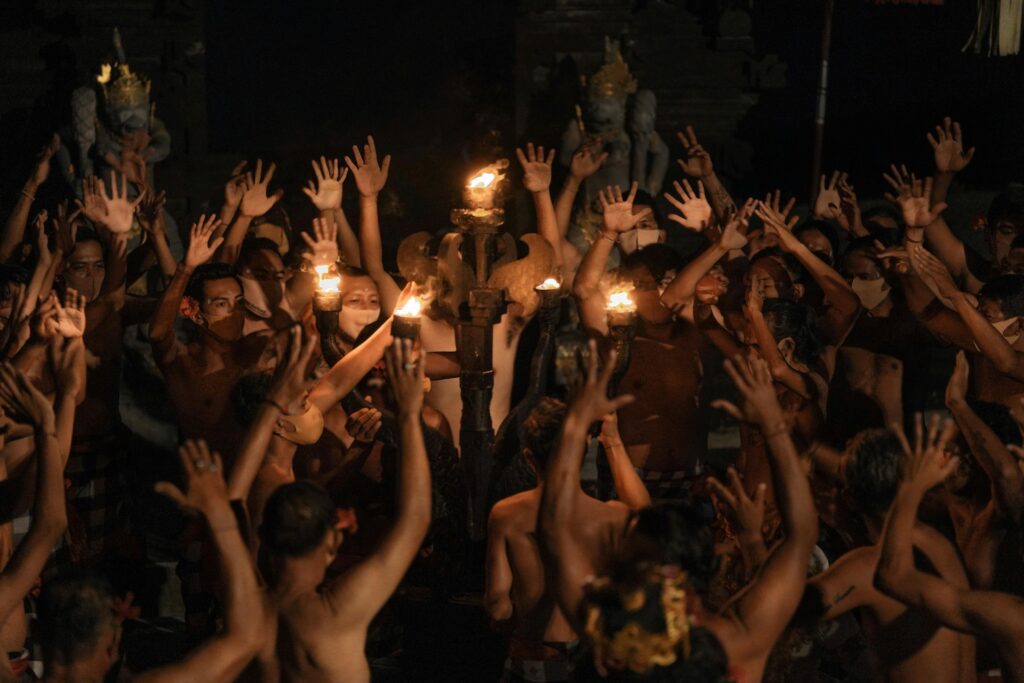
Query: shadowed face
(86,269)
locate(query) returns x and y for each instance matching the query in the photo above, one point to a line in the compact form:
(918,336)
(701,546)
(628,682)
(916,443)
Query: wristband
(613,240)
(913,240)
(28,195)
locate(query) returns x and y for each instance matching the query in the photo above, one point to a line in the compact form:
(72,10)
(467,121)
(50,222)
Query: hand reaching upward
(370,175)
(119,210)
(255,200)
(694,209)
(618,212)
(591,402)
(202,245)
(916,205)
(697,163)
(324,244)
(326,193)
(587,160)
(948,145)
(536,167)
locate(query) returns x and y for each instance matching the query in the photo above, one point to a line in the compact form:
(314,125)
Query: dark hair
(998,418)
(73,613)
(680,535)
(541,429)
(870,218)
(252,246)
(795,270)
(1008,290)
(295,519)
(793,319)
(644,198)
(874,470)
(1008,205)
(861,245)
(196,287)
(658,259)
(11,273)
(248,394)
(825,228)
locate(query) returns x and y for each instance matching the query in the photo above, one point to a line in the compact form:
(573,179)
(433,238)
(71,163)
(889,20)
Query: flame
(620,300)
(330,284)
(104,76)
(550,283)
(483,180)
(410,309)
(321,270)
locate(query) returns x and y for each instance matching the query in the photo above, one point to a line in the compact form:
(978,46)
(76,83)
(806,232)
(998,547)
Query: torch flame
(620,300)
(321,270)
(104,76)
(550,283)
(484,180)
(410,309)
(330,284)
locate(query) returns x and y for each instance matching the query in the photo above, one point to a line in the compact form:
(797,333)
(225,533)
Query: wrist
(368,198)
(573,181)
(220,516)
(30,186)
(610,235)
(407,414)
(773,427)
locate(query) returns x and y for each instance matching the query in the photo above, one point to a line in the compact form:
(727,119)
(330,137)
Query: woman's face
(359,292)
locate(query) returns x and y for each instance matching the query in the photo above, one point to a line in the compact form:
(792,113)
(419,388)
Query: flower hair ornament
(345,520)
(638,625)
(189,307)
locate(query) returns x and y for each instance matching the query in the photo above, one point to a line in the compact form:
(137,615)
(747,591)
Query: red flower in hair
(189,307)
(345,520)
(124,610)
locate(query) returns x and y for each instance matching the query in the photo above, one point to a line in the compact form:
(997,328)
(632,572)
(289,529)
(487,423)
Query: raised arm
(697,164)
(497,572)
(537,180)
(255,202)
(618,218)
(628,485)
(201,246)
(223,657)
(14,228)
(234,188)
(586,161)
(353,366)
(683,288)
(371,176)
(768,346)
(765,607)
(562,491)
(151,218)
(49,517)
(360,593)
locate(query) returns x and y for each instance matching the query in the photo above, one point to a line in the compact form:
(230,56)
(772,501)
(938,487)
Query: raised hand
(927,464)
(201,244)
(364,424)
(43,323)
(849,217)
(536,167)
(93,203)
(234,188)
(754,381)
(590,402)
(324,246)
(292,379)
(68,366)
(899,179)
(734,232)
(255,200)
(22,400)
(406,366)
(618,212)
(41,170)
(694,209)
(151,214)
(776,223)
(205,490)
(828,204)
(326,193)
(119,210)
(65,228)
(772,210)
(916,206)
(71,315)
(697,163)
(748,512)
(587,160)
(956,388)
(370,175)
(948,145)
(933,271)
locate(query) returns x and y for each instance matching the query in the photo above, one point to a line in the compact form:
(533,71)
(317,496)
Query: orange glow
(410,309)
(620,301)
(550,283)
(483,180)
(330,284)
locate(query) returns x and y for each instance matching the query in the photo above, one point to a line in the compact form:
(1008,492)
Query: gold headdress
(122,87)
(612,80)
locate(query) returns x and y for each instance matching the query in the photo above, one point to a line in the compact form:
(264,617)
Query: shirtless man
(78,632)
(749,625)
(908,645)
(516,587)
(665,371)
(321,626)
(996,617)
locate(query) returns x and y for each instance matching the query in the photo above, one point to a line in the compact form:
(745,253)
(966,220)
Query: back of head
(679,534)
(874,470)
(296,518)
(541,430)
(1008,290)
(73,615)
(1007,206)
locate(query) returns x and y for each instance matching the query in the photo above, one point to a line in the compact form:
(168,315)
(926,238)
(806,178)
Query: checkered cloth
(557,667)
(669,486)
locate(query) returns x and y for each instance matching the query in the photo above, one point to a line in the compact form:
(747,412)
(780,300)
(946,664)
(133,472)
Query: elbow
(498,606)
(1006,364)
(888,577)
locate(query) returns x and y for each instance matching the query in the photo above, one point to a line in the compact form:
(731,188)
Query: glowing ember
(330,284)
(321,270)
(620,301)
(410,309)
(550,283)
(483,180)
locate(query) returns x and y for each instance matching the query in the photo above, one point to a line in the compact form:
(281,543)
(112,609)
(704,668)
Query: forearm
(564,204)
(562,481)
(353,366)
(588,277)
(547,225)
(718,197)
(161,328)
(792,490)
(227,214)
(414,479)
(628,485)
(948,247)
(370,249)
(895,571)
(253,450)
(940,186)
(116,265)
(164,257)
(64,414)
(835,288)
(232,246)
(244,611)
(14,229)
(682,289)
(49,509)
(347,241)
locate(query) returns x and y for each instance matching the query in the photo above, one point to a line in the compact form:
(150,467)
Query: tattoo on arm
(841,596)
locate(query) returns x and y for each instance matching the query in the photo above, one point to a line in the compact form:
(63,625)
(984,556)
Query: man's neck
(884,309)
(298,577)
(79,672)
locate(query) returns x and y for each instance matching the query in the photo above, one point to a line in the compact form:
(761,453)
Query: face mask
(305,428)
(228,328)
(1003,325)
(639,238)
(870,292)
(352,321)
(257,300)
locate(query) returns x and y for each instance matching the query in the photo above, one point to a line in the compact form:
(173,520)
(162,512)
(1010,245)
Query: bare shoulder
(517,510)
(941,552)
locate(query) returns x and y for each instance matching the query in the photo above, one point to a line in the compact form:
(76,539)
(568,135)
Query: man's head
(263,275)
(650,270)
(778,273)
(874,469)
(214,301)
(12,278)
(86,265)
(1004,221)
(299,523)
(794,329)
(76,625)
(647,230)
(865,273)
(821,238)
(1002,298)
(360,302)
(541,430)
(674,533)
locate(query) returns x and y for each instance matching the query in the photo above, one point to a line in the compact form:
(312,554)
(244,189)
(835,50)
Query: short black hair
(874,470)
(793,319)
(254,245)
(998,418)
(658,259)
(541,430)
(797,273)
(824,227)
(682,535)
(1008,205)
(196,287)
(1008,290)
(248,394)
(73,613)
(296,518)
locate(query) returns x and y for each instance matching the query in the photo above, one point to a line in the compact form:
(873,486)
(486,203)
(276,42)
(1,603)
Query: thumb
(939,208)
(169,490)
(727,407)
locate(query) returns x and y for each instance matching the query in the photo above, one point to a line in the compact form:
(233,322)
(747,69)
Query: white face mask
(638,238)
(870,292)
(1003,325)
(352,321)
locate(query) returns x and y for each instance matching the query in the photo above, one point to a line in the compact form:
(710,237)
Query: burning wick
(406,323)
(321,270)
(550,283)
(327,296)
(483,180)
(620,301)
(480,189)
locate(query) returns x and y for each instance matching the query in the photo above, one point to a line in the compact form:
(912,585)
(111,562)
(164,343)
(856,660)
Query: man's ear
(798,291)
(787,347)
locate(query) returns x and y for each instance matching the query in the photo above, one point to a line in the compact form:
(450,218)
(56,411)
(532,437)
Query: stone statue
(650,153)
